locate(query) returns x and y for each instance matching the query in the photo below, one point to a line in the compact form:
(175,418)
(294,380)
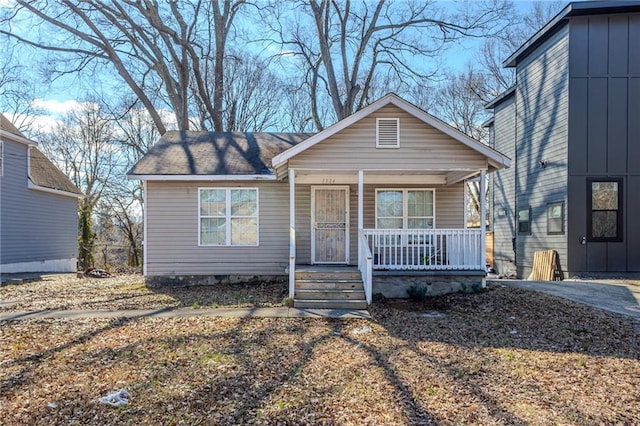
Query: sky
(61,95)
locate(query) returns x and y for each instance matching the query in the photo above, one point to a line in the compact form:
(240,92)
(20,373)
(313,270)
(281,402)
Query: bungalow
(38,208)
(372,204)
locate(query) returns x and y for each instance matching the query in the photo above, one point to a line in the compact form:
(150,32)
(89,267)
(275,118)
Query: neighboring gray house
(571,124)
(38,208)
(375,200)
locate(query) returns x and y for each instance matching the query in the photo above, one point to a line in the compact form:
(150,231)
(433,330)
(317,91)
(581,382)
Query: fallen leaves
(460,364)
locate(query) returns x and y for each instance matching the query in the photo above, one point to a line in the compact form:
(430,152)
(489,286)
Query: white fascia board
(35,187)
(16,138)
(496,159)
(200,177)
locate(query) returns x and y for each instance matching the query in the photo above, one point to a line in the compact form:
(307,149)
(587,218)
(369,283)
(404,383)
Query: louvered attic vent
(388,133)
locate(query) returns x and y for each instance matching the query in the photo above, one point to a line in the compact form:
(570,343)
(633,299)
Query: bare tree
(253,94)
(82,146)
(343,46)
(495,50)
(151,45)
(16,90)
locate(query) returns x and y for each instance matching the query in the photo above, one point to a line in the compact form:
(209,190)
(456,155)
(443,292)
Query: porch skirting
(394,284)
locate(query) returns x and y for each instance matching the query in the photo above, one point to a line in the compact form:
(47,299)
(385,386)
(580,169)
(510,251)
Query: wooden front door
(330,224)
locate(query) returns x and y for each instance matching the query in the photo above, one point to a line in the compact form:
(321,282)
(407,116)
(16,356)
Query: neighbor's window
(524,221)
(228,216)
(604,209)
(405,209)
(1,157)
(555,218)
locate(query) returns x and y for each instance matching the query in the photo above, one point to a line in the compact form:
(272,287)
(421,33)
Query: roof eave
(580,8)
(55,191)
(223,178)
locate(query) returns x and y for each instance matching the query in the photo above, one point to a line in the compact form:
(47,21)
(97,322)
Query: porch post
(360,200)
(483,215)
(292,233)
(360,215)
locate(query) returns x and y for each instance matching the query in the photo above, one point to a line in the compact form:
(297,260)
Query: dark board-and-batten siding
(604,134)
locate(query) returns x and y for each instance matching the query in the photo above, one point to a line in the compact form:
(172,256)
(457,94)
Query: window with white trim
(1,157)
(405,209)
(228,217)
(387,133)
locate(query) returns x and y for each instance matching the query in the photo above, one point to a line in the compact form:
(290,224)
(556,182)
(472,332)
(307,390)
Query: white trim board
(200,177)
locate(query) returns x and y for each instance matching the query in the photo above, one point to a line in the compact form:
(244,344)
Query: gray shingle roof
(44,173)
(215,153)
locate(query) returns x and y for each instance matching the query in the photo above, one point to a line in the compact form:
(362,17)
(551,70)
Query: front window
(605,209)
(228,216)
(405,209)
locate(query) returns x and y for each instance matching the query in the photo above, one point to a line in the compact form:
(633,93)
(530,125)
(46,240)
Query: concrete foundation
(394,284)
(189,280)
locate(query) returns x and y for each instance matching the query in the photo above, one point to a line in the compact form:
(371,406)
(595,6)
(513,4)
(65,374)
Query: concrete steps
(329,288)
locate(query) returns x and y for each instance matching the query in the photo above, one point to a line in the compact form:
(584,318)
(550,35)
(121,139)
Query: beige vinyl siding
(449,214)
(542,135)
(422,147)
(172,232)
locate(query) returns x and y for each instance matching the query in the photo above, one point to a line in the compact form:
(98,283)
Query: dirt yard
(504,356)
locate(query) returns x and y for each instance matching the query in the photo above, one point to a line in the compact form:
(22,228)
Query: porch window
(228,217)
(604,209)
(405,209)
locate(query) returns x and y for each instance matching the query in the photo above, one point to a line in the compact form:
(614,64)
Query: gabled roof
(44,174)
(7,129)
(501,97)
(187,154)
(496,159)
(581,8)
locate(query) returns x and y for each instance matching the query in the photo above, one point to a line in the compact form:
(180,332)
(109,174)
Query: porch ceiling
(427,177)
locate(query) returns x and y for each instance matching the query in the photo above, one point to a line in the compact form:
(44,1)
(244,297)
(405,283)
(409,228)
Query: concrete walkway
(611,296)
(279,312)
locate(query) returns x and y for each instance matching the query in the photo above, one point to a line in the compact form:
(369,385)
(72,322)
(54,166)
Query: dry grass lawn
(504,356)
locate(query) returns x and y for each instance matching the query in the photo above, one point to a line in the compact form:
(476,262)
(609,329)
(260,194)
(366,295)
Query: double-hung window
(228,217)
(405,209)
(604,209)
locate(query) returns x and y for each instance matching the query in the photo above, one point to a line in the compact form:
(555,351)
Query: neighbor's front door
(330,224)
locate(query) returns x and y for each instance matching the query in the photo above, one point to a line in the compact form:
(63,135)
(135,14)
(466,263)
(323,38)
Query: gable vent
(388,133)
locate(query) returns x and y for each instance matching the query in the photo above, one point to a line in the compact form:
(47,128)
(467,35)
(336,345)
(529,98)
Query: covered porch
(326,206)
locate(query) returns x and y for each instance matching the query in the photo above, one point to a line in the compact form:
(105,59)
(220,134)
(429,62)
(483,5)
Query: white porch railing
(365,265)
(426,249)
(292,263)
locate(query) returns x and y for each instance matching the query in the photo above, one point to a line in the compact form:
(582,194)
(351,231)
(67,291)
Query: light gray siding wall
(422,147)
(504,188)
(449,214)
(542,136)
(172,232)
(34,225)
(604,134)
